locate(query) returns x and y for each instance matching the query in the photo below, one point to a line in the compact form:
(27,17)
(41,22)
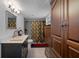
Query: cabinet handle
(64,25)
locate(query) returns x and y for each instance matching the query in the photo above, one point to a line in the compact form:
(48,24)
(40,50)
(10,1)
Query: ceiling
(33,8)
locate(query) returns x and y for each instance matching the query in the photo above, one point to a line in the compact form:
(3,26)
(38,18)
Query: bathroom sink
(18,38)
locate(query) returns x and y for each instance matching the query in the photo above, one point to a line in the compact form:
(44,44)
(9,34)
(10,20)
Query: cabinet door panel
(57,47)
(74,20)
(73,53)
(56,19)
(73,42)
(57,35)
(73,49)
(47,30)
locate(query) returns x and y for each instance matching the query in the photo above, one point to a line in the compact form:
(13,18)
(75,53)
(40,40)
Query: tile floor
(35,52)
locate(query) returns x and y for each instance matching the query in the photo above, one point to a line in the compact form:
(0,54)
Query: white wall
(2,21)
(27,25)
(20,22)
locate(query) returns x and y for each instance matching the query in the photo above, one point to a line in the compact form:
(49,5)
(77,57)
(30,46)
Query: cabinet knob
(64,25)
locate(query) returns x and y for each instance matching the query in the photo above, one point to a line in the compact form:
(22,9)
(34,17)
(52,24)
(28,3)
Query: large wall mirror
(11,20)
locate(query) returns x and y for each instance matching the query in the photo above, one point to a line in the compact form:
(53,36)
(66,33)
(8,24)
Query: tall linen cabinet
(64,28)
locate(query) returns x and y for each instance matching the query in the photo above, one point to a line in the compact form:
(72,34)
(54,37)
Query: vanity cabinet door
(14,50)
(11,50)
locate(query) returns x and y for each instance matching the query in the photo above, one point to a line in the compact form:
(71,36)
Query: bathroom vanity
(15,47)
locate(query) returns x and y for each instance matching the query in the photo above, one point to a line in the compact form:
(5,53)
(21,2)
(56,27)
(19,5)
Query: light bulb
(12,7)
(15,10)
(18,11)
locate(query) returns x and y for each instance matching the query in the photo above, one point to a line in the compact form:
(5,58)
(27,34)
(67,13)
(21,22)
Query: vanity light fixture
(13,9)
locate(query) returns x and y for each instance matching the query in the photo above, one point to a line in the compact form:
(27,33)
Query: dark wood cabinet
(14,50)
(64,28)
(57,29)
(47,33)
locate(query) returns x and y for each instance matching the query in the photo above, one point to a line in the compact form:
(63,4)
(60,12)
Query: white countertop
(17,39)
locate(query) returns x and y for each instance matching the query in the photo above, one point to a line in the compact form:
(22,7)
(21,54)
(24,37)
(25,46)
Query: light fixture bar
(12,7)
